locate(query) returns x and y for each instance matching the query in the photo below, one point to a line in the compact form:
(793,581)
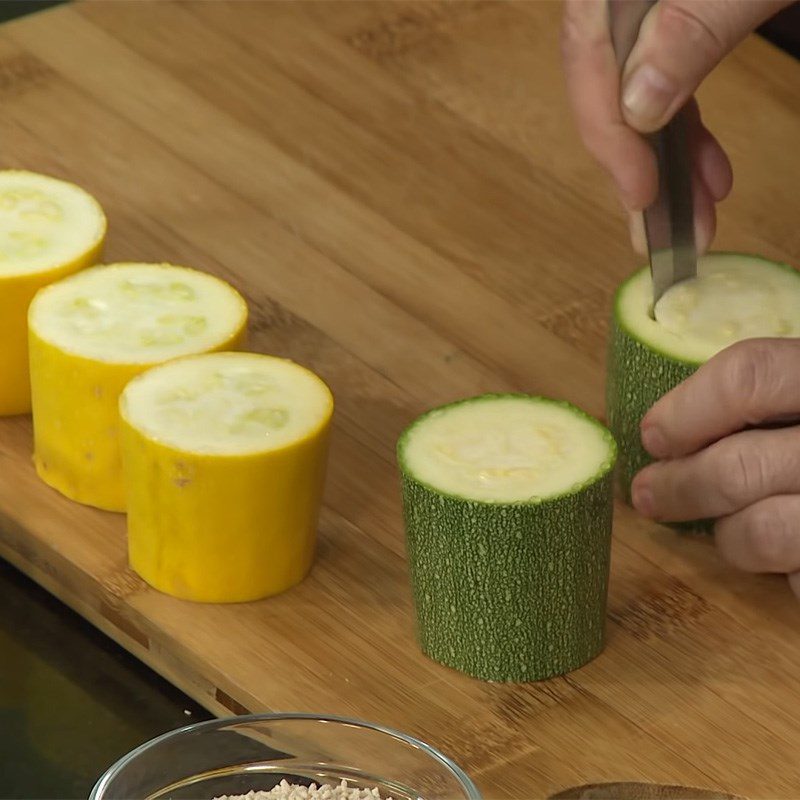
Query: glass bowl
(237,755)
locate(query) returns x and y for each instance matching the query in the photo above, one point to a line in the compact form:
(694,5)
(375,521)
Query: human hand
(679,44)
(715,464)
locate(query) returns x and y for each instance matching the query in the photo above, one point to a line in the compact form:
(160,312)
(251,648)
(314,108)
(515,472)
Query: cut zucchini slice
(45,223)
(137,313)
(89,335)
(507,504)
(505,449)
(228,404)
(49,228)
(224,458)
(734,297)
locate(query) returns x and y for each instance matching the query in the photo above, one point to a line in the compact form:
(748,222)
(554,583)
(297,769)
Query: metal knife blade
(669,221)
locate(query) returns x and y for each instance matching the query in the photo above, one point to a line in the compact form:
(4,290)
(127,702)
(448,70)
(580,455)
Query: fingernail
(642,499)
(647,95)
(653,441)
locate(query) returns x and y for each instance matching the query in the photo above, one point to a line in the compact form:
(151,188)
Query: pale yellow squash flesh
(506,449)
(84,348)
(224,457)
(734,297)
(49,229)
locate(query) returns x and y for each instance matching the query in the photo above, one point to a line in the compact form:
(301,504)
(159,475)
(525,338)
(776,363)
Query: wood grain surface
(398,190)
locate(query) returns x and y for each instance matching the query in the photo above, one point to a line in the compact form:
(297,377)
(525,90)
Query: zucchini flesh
(505,449)
(44,222)
(226,403)
(137,313)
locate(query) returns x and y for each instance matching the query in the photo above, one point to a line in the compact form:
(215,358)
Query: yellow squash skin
(223,528)
(76,420)
(16,293)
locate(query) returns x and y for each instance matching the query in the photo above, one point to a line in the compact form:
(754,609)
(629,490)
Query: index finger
(750,383)
(593,79)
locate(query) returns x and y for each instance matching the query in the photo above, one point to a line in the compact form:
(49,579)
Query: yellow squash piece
(224,458)
(48,229)
(89,334)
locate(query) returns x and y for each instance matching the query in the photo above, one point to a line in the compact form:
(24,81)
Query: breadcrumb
(294,791)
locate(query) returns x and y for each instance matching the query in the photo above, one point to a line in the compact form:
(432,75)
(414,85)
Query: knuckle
(768,537)
(682,21)
(748,373)
(743,476)
(584,29)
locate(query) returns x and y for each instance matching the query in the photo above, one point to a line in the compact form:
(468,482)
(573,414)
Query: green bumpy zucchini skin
(510,592)
(637,377)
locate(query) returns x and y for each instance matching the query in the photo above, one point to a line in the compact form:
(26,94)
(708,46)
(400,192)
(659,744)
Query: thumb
(679,43)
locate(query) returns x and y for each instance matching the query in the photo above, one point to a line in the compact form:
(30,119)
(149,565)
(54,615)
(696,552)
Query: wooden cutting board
(398,190)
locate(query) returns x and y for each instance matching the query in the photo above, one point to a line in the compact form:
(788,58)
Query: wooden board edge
(112,624)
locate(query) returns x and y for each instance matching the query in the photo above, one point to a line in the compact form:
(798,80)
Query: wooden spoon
(639,791)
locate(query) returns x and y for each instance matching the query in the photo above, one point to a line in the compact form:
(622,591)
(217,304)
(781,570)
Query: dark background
(71,701)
